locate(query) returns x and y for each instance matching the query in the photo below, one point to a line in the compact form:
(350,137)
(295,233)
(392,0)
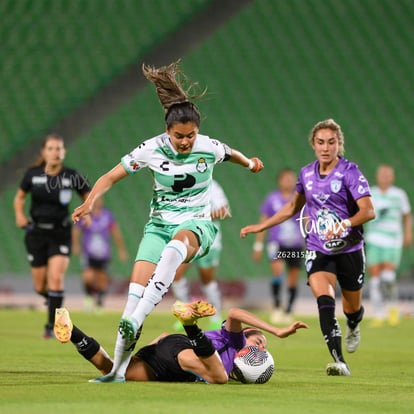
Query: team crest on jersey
(65,196)
(201,165)
(336,185)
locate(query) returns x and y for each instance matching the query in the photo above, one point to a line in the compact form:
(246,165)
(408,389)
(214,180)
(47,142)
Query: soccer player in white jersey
(180,228)
(385,238)
(207,265)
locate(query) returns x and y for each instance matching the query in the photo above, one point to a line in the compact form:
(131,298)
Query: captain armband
(227,152)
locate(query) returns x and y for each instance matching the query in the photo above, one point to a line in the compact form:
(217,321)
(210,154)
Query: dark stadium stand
(58,54)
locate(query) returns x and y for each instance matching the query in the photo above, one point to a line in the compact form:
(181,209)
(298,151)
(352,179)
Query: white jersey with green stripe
(182,182)
(390,207)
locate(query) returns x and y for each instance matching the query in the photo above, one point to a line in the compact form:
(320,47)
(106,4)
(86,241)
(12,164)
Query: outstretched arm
(259,241)
(119,242)
(288,210)
(102,185)
(407,226)
(237,317)
(253,164)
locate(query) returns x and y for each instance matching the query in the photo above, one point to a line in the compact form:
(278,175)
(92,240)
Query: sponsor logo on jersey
(334,245)
(321,197)
(362,189)
(134,165)
(38,180)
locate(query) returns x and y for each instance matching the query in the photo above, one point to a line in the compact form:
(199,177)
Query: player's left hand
(285,332)
(252,228)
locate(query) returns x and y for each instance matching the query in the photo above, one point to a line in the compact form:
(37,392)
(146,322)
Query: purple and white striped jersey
(329,200)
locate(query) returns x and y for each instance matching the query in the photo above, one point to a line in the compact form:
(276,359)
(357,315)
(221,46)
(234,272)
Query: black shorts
(97,264)
(349,268)
(43,244)
(162,358)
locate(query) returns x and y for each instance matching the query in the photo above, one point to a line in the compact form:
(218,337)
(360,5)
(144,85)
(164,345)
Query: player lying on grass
(197,356)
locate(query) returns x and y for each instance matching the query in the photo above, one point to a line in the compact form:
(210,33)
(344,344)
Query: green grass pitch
(45,376)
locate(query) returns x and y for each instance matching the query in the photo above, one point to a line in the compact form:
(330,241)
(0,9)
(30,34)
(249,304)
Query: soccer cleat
(188,313)
(48,333)
(287,318)
(393,316)
(128,329)
(352,338)
(63,325)
(276,316)
(111,377)
(338,369)
(88,304)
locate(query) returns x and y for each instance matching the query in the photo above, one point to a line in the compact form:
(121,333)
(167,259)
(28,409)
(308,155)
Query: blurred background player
(284,246)
(385,238)
(208,264)
(93,242)
(48,237)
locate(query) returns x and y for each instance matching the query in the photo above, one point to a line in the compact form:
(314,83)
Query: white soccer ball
(253,365)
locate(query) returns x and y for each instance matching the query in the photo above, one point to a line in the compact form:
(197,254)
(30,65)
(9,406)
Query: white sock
(174,253)
(123,349)
(213,295)
(135,293)
(388,276)
(181,290)
(375,296)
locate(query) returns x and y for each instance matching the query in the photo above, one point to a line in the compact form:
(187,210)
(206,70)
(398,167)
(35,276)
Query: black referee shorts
(43,244)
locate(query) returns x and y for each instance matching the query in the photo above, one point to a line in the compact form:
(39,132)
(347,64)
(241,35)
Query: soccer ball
(253,365)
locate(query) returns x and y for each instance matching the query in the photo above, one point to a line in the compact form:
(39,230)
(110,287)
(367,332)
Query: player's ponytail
(174,93)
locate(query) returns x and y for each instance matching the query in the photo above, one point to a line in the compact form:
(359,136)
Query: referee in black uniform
(48,227)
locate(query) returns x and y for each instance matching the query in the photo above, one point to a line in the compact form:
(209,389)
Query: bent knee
(220,379)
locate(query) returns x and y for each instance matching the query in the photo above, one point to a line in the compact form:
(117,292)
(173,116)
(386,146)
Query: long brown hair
(174,92)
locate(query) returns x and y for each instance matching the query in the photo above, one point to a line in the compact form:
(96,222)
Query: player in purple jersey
(196,356)
(338,202)
(284,246)
(93,242)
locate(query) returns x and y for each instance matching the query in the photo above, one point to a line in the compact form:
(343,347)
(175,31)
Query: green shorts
(377,254)
(156,236)
(212,259)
